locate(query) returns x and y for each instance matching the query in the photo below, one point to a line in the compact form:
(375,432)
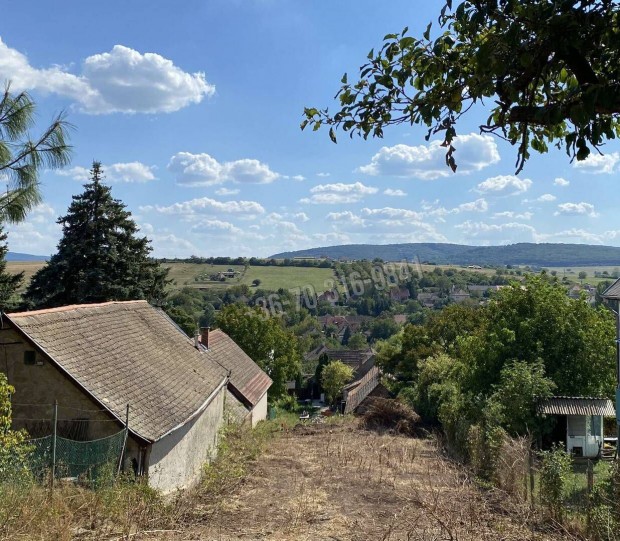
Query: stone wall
(39,385)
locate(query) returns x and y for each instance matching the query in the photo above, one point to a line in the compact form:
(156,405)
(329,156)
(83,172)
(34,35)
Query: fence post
(54,431)
(120,458)
(531,468)
(590,475)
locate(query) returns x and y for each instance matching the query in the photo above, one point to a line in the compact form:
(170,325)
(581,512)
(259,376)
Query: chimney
(204,336)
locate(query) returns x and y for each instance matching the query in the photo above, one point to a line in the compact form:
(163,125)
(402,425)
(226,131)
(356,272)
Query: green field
(572,273)
(273,278)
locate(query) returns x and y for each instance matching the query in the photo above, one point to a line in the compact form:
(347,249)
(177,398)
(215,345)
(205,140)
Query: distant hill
(525,253)
(16,256)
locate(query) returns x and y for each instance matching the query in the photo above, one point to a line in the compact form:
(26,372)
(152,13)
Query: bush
(554,474)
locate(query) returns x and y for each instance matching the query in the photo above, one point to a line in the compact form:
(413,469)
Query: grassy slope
(273,278)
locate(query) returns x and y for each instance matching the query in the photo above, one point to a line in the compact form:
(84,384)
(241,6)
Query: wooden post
(54,432)
(531,457)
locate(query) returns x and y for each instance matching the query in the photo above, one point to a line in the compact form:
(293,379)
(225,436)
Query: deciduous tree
(263,339)
(334,377)
(547,72)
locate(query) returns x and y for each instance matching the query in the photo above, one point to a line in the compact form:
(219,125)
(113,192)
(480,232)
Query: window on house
(30,357)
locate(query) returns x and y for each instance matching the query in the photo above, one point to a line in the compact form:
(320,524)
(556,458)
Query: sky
(194,108)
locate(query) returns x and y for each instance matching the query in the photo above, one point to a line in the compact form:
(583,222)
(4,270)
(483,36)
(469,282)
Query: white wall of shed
(176,461)
(259,412)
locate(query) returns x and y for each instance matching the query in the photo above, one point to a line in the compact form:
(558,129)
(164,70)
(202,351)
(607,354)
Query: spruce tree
(8,282)
(100,257)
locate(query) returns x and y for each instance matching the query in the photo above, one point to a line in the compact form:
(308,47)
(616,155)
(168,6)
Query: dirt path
(325,482)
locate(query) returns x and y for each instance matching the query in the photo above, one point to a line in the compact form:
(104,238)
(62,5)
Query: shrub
(554,473)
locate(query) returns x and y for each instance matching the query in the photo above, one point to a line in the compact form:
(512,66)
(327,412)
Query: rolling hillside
(543,255)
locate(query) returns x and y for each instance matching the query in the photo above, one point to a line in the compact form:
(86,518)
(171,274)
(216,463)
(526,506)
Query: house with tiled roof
(247,383)
(98,361)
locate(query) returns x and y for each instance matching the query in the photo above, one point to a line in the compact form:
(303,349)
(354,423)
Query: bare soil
(330,482)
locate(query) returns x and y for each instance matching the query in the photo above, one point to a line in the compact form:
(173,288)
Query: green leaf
(427,32)
(344,79)
(332,135)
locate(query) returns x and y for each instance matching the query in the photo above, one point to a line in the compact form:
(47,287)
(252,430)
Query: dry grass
(311,482)
(338,482)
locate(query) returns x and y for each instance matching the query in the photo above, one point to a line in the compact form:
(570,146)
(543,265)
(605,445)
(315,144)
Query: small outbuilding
(580,422)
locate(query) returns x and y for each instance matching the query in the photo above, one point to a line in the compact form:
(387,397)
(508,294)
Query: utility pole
(612,293)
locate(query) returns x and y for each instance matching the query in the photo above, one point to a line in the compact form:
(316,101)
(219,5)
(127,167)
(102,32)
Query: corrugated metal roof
(577,405)
(613,291)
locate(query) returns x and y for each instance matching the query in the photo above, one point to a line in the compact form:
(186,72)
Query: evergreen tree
(8,282)
(99,257)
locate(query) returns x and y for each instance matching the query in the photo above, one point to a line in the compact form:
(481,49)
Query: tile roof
(613,291)
(246,377)
(577,405)
(127,353)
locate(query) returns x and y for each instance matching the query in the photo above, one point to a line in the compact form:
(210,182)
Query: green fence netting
(83,460)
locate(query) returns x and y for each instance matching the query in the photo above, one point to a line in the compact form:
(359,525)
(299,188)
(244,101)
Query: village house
(330,296)
(459,295)
(399,294)
(360,360)
(99,360)
(427,299)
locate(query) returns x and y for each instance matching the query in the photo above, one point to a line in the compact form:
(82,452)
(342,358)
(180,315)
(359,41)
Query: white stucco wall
(259,412)
(176,461)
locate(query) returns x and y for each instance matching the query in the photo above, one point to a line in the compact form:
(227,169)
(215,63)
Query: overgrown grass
(120,508)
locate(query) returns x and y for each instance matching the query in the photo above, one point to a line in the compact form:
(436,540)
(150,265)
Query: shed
(584,421)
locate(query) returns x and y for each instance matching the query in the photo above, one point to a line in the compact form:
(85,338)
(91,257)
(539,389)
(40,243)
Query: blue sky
(194,109)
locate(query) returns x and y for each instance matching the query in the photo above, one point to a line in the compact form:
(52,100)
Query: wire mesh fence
(61,449)
(86,461)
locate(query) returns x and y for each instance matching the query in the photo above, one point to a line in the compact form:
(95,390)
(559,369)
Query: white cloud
(561,182)
(301,216)
(116,172)
(215,226)
(227,191)
(479,205)
(167,244)
(394,193)
(514,215)
(501,233)
(576,235)
(576,209)
(345,216)
(339,193)
(547,197)
(204,170)
(599,163)
(432,209)
(504,184)
(332,238)
(122,80)
(323,175)
(392,213)
(473,153)
(205,205)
